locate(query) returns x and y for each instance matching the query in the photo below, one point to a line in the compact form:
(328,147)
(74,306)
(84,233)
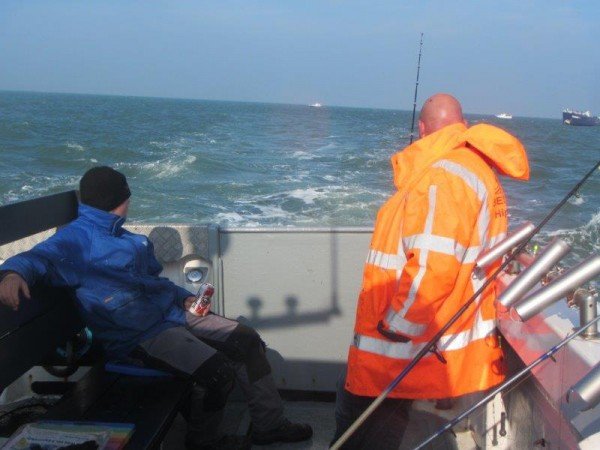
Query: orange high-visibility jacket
(420,268)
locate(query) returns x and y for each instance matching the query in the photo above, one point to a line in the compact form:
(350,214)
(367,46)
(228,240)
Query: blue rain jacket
(115,277)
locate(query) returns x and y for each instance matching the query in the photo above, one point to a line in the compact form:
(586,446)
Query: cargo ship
(579,118)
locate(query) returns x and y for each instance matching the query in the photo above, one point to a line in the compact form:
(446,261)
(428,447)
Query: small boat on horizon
(315,105)
(504,116)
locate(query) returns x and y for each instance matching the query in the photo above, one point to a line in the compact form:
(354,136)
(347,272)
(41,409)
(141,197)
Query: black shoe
(286,432)
(229,442)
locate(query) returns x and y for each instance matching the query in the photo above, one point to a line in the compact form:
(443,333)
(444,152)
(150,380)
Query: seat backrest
(23,219)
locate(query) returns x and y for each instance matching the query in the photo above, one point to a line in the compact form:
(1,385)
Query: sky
(528,58)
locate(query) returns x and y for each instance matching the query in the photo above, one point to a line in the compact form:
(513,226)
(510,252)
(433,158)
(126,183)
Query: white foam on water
(230,218)
(585,238)
(271,211)
(271,214)
(308,195)
(298,176)
(94,160)
(305,156)
(41,185)
(163,168)
(577,200)
(75,146)
(329,146)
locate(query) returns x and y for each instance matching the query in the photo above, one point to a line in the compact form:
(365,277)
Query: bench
(29,337)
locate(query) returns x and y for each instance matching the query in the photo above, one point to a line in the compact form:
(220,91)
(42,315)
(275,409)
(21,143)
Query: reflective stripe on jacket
(449,207)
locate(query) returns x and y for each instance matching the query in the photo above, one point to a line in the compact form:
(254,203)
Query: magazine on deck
(56,434)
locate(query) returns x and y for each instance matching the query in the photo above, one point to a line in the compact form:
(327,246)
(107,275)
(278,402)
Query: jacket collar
(409,163)
(111,223)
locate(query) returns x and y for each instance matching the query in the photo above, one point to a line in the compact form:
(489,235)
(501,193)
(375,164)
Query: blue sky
(529,58)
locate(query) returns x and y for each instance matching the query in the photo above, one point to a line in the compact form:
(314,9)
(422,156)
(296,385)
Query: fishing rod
(412,125)
(507,383)
(432,343)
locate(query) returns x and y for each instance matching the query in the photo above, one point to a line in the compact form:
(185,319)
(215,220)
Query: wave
(333,205)
(577,200)
(75,146)
(261,215)
(302,155)
(38,186)
(308,195)
(583,240)
(170,167)
(161,168)
(329,146)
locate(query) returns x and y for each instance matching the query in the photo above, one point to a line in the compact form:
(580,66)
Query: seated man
(136,314)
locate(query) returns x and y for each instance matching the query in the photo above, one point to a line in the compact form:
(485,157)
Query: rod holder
(558,288)
(586,300)
(504,246)
(585,394)
(527,279)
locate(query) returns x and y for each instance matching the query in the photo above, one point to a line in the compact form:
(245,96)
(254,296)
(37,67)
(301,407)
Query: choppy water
(250,164)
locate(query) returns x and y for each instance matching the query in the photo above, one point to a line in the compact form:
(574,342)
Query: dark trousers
(383,430)
(185,349)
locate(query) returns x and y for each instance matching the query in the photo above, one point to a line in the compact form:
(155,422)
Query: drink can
(201,305)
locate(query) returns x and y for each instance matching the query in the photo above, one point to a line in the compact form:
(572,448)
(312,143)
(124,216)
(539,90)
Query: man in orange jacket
(449,207)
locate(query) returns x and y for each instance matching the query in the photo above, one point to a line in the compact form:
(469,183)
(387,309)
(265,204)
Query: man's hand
(11,289)
(188,302)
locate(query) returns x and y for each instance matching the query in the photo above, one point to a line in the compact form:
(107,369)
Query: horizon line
(239,101)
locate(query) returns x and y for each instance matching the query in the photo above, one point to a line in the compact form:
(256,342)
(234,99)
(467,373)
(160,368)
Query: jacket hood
(504,150)
(501,150)
(109,222)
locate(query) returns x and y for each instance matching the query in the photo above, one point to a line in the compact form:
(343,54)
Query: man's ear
(421,129)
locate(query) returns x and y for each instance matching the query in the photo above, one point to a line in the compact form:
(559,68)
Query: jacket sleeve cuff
(21,266)
(182,294)
(4,273)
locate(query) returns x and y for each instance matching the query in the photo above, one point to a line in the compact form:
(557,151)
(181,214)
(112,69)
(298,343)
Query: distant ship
(579,118)
(504,116)
(315,105)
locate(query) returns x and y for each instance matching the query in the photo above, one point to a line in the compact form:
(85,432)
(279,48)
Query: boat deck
(321,416)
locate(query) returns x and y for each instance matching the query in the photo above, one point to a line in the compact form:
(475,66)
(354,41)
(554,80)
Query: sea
(269,165)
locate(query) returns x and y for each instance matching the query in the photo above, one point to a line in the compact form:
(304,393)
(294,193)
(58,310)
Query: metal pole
(527,279)
(507,383)
(557,289)
(412,125)
(431,345)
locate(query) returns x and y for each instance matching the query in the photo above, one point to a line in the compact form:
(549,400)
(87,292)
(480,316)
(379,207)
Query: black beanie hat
(104,188)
